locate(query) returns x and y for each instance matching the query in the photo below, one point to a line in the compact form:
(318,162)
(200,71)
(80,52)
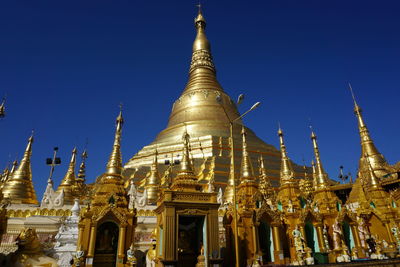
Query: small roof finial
(200,19)
(352,95)
(199,6)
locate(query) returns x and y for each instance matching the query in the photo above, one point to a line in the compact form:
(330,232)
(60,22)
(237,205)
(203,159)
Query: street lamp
(257,104)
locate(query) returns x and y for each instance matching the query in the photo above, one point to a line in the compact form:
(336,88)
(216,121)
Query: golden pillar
(278,252)
(320,237)
(213,244)
(121,244)
(170,253)
(80,234)
(357,240)
(389,231)
(92,240)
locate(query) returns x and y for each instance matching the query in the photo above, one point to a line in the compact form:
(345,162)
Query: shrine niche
(106,244)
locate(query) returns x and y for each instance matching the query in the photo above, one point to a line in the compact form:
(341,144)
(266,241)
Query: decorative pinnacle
(320,172)
(82,167)
(14,166)
(263,171)
(246,170)
(114,165)
(69,178)
(286,166)
(199,18)
(367,145)
(24,168)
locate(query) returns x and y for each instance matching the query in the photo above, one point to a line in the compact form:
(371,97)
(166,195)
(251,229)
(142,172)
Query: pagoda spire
(153,181)
(114,165)
(202,71)
(246,170)
(286,166)
(14,166)
(264,185)
(321,176)
(19,188)
(68,181)
(368,148)
(82,167)
(230,188)
(109,189)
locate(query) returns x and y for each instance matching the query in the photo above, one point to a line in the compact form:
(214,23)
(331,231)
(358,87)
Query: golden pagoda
(67,184)
(204,110)
(107,225)
(19,187)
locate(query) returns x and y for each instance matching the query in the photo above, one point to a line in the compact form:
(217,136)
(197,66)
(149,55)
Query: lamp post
(231,122)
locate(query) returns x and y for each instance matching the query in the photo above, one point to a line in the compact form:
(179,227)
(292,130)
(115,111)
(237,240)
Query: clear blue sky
(66,65)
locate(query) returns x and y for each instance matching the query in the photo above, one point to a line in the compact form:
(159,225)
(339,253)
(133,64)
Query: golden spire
(265,184)
(109,188)
(321,176)
(68,181)
(19,188)
(368,148)
(153,181)
(229,191)
(14,167)
(114,165)
(202,70)
(286,166)
(246,170)
(185,180)
(69,178)
(82,167)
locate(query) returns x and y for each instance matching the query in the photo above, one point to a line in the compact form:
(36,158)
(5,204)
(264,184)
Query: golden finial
(67,183)
(82,167)
(69,178)
(114,165)
(367,145)
(321,176)
(199,17)
(264,181)
(286,167)
(201,57)
(19,188)
(246,171)
(14,167)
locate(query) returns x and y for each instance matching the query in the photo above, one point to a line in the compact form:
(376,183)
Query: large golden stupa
(207,120)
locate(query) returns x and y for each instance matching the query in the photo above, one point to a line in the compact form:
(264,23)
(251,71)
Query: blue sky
(66,65)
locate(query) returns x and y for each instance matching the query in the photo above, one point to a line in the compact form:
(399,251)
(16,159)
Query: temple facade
(206,192)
